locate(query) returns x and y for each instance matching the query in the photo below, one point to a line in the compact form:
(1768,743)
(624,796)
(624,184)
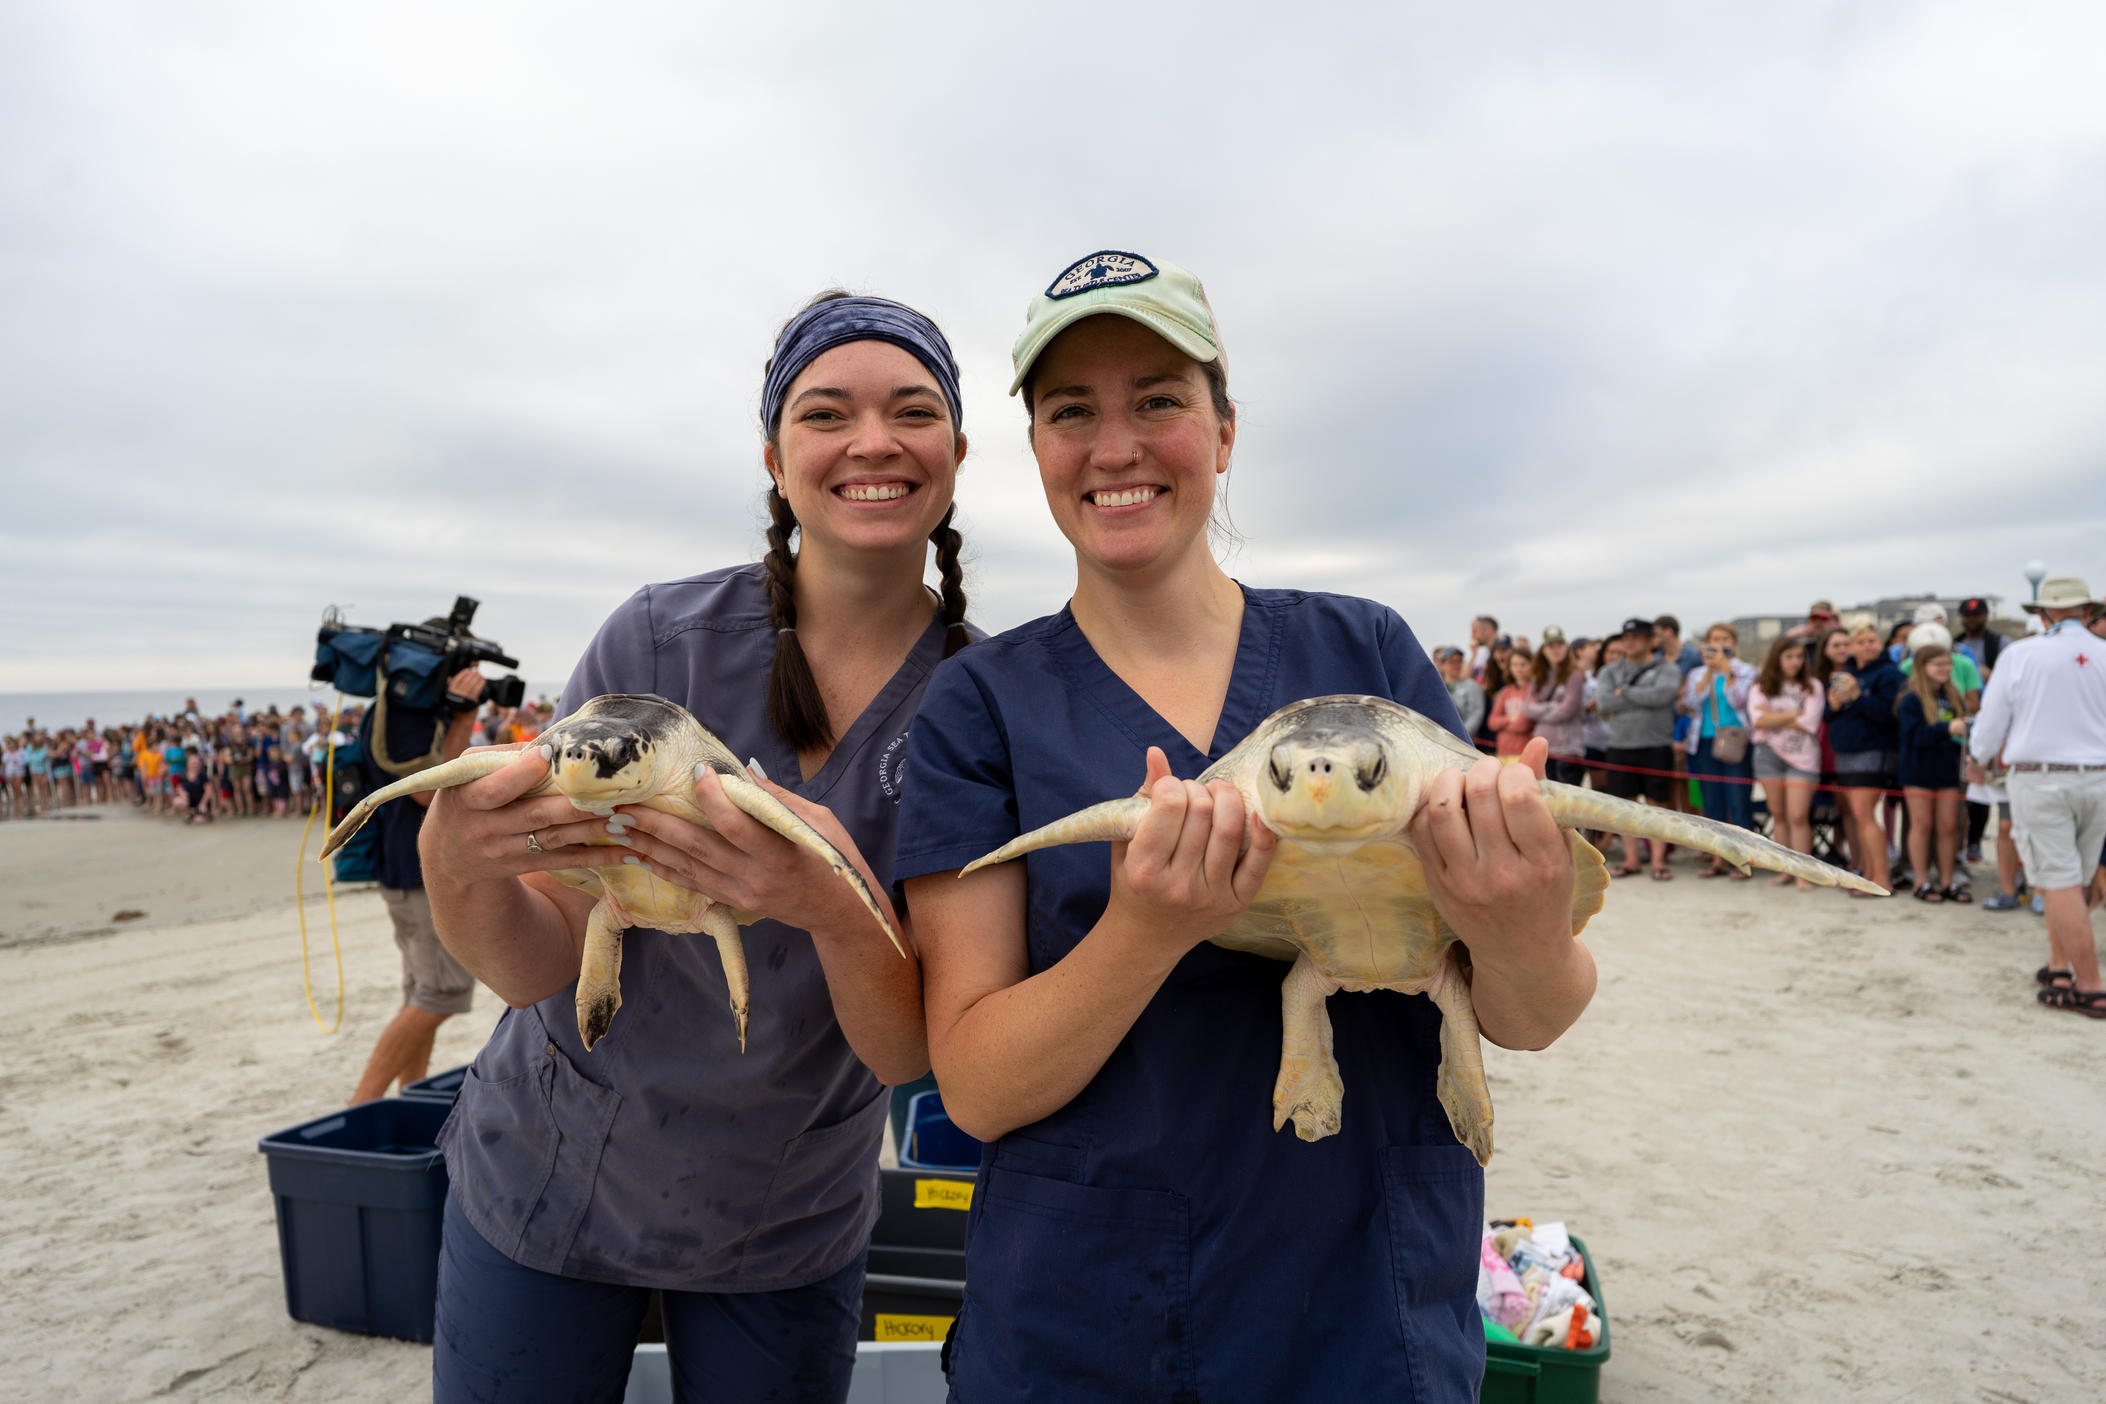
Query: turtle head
(1333,779)
(598,762)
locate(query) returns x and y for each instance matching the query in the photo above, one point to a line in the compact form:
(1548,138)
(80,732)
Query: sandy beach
(1821,1149)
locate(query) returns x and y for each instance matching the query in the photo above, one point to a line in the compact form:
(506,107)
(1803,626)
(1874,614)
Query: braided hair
(796,709)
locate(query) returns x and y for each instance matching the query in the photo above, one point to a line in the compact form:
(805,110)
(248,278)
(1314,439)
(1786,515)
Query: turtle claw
(595,1017)
(1312,1122)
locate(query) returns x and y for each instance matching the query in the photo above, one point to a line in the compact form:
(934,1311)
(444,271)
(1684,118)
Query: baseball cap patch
(1103,269)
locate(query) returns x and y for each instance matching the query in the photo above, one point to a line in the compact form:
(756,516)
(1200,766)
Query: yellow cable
(321,802)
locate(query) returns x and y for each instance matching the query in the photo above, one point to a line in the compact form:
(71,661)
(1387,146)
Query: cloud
(1548,313)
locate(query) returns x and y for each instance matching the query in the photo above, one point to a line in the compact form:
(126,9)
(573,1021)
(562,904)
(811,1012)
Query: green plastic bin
(1519,1374)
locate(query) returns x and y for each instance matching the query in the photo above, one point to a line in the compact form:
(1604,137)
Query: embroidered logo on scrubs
(892,766)
(1104,269)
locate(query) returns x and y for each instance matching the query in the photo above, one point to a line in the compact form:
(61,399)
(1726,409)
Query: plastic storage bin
(439,1087)
(916,1276)
(1519,1374)
(932,1142)
(884,1374)
(359,1196)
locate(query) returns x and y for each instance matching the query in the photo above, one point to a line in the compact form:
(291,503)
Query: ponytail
(948,543)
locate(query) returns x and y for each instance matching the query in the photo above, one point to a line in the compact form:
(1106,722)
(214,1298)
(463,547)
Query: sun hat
(2063,592)
(1160,296)
(1932,613)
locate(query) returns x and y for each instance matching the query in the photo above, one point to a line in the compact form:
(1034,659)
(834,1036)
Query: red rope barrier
(1698,776)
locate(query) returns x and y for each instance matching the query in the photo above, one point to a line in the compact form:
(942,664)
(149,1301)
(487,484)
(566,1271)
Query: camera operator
(434,985)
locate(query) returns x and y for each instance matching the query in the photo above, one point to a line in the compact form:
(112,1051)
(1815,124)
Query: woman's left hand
(1501,873)
(743,863)
(1499,867)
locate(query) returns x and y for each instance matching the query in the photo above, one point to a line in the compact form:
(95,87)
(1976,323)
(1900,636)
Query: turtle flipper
(778,816)
(718,921)
(1112,821)
(459,771)
(1309,1089)
(1575,808)
(1459,1083)
(600,977)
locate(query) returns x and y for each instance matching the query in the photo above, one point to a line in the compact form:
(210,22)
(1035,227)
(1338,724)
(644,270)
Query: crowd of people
(1873,724)
(196,768)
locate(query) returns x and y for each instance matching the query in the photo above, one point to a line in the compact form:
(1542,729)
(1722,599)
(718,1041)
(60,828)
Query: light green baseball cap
(1160,296)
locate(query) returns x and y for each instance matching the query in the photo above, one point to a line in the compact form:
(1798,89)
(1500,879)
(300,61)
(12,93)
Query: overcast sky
(1557,311)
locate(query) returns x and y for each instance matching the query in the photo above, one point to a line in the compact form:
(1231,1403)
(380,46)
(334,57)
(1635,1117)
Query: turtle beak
(1326,784)
(1290,767)
(595,771)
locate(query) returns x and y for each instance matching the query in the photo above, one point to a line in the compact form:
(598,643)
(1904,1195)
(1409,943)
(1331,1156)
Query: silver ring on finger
(534,844)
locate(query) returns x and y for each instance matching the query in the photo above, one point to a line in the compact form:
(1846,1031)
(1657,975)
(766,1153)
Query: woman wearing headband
(1140,1232)
(741,1185)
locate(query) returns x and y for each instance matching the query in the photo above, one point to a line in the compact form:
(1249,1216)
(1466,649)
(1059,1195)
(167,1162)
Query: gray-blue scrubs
(665,1158)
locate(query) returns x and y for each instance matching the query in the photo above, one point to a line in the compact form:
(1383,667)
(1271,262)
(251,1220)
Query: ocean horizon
(54,711)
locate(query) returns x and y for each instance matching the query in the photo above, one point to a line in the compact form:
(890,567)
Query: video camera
(407,665)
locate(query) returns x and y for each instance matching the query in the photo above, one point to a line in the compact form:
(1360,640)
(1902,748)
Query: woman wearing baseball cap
(1140,1230)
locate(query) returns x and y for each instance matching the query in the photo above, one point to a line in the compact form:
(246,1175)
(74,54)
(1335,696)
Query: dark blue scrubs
(1156,1239)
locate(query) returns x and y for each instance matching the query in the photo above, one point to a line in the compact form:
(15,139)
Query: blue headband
(844,319)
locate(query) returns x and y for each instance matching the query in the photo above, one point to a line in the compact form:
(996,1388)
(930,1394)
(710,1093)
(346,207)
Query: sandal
(1662,875)
(2048,975)
(1927,893)
(1711,872)
(1625,872)
(1957,893)
(2090,1003)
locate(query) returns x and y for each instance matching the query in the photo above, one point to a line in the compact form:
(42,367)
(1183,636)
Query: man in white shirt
(2045,710)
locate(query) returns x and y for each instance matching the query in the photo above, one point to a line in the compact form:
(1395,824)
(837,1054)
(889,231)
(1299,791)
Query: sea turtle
(1340,779)
(634,748)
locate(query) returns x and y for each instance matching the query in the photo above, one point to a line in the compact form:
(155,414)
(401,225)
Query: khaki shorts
(432,980)
(2058,821)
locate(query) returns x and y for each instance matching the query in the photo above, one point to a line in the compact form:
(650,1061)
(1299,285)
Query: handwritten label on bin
(942,1194)
(912,1328)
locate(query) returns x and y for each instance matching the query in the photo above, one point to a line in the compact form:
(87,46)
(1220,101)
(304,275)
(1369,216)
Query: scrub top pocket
(544,1129)
(1096,1277)
(822,1200)
(1434,1199)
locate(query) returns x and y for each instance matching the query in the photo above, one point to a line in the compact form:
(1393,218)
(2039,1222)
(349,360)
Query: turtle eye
(1369,776)
(1282,773)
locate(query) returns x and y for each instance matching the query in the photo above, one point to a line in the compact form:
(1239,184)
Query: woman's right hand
(1186,874)
(479,832)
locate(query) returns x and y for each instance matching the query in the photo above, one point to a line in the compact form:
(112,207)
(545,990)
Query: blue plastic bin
(360,1195)
(932,1142)
(439,1087)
